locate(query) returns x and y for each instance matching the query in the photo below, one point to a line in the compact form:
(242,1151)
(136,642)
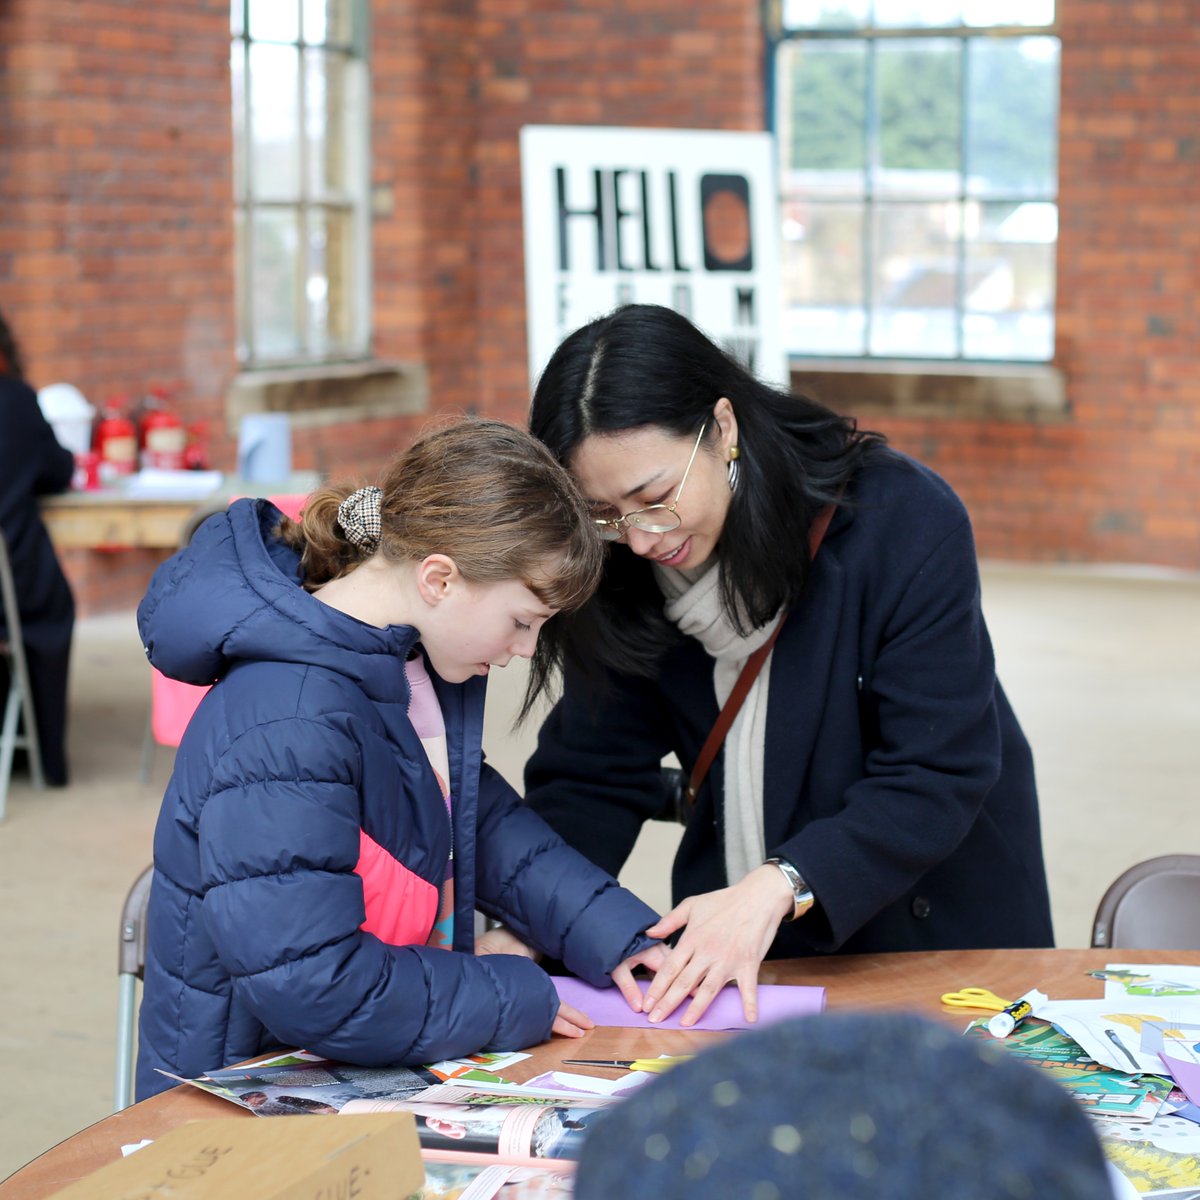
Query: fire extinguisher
(164,440)
(116,442)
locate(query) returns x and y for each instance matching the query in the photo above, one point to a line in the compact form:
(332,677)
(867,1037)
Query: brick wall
(116,241)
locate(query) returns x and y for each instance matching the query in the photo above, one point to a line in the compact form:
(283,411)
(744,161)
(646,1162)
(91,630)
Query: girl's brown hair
(489,495)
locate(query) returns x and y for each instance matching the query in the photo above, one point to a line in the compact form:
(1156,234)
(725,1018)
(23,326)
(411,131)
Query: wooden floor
(1102,668)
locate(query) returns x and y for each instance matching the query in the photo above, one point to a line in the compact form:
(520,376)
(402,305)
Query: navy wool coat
(299,756)
(33,464)
(896,776)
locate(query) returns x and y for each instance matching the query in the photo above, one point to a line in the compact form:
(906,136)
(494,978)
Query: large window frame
(869,350)
(307,303)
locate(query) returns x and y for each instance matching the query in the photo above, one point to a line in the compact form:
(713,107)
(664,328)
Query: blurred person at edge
(33,464)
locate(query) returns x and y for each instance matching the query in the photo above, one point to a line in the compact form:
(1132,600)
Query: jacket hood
(233,594)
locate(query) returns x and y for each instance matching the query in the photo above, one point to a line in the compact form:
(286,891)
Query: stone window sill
(330,393)
(906,388)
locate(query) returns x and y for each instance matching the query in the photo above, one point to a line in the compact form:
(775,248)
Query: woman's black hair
(645,365)
(10,353)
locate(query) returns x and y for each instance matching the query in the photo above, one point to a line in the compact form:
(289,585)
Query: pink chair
(172,703)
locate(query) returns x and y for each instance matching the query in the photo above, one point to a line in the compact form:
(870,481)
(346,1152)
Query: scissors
(973,997)
(655,1065)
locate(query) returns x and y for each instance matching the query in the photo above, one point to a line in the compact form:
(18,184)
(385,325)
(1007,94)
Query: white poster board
(684,218)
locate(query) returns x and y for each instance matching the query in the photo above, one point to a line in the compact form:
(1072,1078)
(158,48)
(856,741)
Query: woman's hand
(570,1022)
(652,958)
(727,935)
(504,941)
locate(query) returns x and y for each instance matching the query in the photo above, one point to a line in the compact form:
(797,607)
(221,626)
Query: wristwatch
(802,897)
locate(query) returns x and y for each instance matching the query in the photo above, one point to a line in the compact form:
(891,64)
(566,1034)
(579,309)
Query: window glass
(917,145)
(300,93)
(275,234)
(274,20)
(274,122)
(823,274)
(917,14)
(825,14)
(237,84)
(1012,116)
(915,280)
(1008,12)
(918,116)
(822,123)
(328,22)
(1008,308)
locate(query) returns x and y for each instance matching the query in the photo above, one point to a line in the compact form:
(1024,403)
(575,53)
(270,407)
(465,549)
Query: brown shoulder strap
(749,672)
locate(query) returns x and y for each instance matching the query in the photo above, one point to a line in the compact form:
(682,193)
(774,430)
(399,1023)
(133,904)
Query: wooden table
(112,517)
(86,520)
(912,982)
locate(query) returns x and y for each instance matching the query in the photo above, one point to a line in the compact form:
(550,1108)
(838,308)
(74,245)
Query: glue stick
(1005,1021)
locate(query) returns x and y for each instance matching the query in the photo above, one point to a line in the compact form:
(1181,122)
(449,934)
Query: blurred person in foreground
(848,1106)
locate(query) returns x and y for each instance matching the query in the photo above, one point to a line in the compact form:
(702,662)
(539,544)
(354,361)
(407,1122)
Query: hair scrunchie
(360,517)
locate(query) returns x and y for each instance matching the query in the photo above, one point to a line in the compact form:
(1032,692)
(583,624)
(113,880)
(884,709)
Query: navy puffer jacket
(300,756)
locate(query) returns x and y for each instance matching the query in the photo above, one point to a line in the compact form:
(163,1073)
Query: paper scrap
(776,1002)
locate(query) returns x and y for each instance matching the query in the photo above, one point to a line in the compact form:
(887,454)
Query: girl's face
(634,468)
(473,627)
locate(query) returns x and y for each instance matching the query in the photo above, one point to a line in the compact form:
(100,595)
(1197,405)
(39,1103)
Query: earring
(733,468)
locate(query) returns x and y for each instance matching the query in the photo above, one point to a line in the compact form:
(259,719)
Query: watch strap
(802,896)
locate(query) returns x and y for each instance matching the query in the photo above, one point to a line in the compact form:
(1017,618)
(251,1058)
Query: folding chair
(1155,905)
(131,965)
(19,726)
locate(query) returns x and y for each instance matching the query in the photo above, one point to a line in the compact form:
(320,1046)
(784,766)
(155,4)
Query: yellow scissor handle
(658,1065)
(973,997)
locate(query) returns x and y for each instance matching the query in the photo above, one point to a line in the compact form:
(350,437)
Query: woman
(875,792)
(330,826)
(33,464)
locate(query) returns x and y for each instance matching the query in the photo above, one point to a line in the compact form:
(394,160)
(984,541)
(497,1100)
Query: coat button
(920,908)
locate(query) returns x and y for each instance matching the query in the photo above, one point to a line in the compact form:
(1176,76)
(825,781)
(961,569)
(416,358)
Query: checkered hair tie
(360,518)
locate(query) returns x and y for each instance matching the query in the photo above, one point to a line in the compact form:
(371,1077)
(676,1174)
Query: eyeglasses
(655,518)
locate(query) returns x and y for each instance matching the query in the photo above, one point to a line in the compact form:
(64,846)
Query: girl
(875,791)
(330,826)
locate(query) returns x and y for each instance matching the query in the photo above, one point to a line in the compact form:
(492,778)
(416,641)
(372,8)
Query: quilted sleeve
(279,841)
(549,894)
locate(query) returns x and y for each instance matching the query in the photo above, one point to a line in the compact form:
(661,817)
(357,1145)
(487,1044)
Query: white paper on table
(591,1085)
(154,483)
(1127,1033)
(1152,980)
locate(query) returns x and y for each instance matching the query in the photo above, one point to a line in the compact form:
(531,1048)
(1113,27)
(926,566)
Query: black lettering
(619,214)
(681,299)
(624,293)
(565,213)
(673,209)
(744,349)
(647,254)
(744,306)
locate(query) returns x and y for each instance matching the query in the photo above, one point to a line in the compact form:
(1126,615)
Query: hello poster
(684,218)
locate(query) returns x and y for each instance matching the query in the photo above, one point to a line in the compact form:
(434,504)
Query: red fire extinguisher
(164,440)
(116,442)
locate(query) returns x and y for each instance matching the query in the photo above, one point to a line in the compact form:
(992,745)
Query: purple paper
(1186,1074)
(776,1002)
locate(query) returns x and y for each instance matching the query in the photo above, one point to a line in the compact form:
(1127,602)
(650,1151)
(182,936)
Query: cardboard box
(375,1156)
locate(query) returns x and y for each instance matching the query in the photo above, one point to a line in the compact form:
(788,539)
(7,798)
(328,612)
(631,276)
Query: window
(301,180)
(918,170)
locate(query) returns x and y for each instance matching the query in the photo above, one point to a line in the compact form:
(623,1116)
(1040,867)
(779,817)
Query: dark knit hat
(847,1106)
